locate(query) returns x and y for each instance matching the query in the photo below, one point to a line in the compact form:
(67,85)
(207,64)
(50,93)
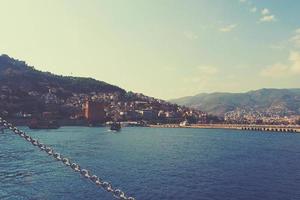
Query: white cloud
(228,28)
(203,74)
(268,18)
(266,15)
(276,70)
(296,38)
(254,9)
(295,60)
(278,46)
(207,70)
(265,11)
(249,4)
(292,68)
(190,35)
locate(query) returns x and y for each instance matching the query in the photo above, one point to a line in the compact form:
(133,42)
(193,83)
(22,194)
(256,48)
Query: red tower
(94,111)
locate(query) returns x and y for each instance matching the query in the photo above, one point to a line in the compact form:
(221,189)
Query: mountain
(19,75)
(22,87)
(266,101)
(27,93)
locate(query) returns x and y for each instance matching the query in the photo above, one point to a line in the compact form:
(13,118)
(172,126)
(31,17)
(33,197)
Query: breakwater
(246,127)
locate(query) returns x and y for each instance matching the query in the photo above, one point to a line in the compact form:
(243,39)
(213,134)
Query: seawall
(246,127)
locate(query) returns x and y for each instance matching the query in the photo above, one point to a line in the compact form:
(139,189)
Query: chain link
(117,193)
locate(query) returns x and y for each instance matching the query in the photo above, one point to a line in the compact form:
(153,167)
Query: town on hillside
(28,94)
(98,108)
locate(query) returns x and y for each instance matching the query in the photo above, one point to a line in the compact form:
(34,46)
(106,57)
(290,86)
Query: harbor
(150,100)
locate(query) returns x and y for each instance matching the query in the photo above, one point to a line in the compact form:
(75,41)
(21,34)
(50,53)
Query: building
(147,114)
(94,112)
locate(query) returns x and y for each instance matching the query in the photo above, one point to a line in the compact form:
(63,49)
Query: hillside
(22,87)
(267,101)
(29,79)
(27,93)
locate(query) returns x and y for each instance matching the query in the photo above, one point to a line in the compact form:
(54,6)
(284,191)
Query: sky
(162,48)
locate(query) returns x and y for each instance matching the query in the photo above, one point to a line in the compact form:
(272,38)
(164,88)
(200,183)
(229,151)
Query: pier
(253,127)
(271,129)
(244,127)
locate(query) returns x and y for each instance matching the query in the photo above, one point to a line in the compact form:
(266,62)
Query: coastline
(246,127)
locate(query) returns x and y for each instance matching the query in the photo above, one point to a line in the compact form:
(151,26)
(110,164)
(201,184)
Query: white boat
(184,123)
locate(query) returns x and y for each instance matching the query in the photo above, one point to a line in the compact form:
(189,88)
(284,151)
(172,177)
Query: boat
(44,124)
(115,126)
(184,123)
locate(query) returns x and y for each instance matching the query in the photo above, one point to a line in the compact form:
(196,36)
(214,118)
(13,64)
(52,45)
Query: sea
(153,164)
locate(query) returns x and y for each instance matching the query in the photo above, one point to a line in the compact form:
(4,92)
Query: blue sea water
(153,164)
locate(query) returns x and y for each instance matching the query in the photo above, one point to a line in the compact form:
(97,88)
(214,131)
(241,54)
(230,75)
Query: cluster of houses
(103,107)
(251,116)
(137,107)
(132,107)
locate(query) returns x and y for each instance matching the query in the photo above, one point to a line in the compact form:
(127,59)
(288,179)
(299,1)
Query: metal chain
(117,193)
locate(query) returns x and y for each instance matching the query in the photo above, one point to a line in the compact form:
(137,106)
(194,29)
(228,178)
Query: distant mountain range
(268,101)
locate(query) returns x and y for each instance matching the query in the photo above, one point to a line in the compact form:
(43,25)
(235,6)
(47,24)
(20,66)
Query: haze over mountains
(269,101)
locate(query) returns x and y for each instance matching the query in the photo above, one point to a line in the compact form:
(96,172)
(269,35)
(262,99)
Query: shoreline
(246,127)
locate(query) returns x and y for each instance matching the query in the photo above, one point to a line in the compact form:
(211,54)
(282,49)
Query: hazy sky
(162,48)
